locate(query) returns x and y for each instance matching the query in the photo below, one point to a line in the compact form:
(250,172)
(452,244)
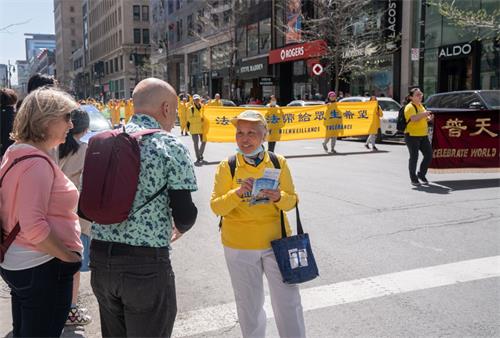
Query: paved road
(394,260)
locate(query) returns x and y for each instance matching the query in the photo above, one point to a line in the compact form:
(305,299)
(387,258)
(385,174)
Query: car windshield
(389,105)
(97,121)
(492,98)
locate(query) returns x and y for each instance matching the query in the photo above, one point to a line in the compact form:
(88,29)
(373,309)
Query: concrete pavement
(365,221)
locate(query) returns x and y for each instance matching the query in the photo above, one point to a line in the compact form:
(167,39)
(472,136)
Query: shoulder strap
(232,164)
(274,159)
(138,134)
(22,158)
(12,235)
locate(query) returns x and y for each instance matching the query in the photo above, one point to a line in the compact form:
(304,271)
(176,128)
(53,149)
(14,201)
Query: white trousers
(333,141)
(246,268)
(371,139)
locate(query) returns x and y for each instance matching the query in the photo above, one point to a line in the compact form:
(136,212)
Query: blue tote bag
(294,254)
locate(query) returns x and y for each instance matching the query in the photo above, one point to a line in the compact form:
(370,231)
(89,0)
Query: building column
(406,46)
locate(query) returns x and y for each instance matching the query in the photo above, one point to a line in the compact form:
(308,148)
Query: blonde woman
(35,194)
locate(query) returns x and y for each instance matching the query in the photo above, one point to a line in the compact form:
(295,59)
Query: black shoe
(422,178)
(375,148)
(367,146)
(415,183)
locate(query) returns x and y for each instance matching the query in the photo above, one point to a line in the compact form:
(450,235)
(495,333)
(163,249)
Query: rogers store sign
(297,52)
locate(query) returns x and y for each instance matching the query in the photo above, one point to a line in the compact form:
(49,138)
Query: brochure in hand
(270,180)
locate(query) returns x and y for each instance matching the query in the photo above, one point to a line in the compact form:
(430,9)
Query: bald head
(156,98)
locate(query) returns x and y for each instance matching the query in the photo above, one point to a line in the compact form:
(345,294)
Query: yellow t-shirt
(250,227)
(195,119)
(415,128)
(214,102)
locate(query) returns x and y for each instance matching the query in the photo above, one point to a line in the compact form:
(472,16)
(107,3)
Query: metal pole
(422,44)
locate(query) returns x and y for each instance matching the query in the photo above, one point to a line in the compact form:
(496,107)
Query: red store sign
(297,52)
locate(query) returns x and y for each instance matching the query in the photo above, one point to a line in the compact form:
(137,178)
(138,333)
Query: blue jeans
(135,289)
(41,298)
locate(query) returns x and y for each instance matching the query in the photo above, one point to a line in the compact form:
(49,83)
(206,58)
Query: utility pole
(421,46)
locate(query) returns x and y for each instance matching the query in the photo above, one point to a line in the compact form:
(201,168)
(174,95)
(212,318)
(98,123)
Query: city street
(394,260)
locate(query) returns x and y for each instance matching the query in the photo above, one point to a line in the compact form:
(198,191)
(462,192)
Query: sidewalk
(86,299)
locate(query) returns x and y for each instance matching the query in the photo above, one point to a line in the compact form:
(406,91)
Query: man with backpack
(132,277)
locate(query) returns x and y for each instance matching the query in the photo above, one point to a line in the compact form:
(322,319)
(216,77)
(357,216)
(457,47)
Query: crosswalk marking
(224,316)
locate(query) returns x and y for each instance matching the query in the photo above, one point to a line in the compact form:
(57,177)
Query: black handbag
(294,254)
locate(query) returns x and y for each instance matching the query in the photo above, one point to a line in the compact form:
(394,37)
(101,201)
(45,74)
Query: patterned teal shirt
(164,159)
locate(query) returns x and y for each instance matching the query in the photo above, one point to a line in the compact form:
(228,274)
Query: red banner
(466,140)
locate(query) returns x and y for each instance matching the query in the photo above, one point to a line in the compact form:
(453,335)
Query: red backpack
(110,176)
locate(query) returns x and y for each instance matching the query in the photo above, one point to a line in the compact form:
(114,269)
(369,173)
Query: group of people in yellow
(114,109)
(191,119)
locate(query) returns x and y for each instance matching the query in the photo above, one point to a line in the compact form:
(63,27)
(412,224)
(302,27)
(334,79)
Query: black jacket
(7,115)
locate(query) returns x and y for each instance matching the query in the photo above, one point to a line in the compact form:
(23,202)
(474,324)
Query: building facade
(459,59)
(68,28)
(116,46)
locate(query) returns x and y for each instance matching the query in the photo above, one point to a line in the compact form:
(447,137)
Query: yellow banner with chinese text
(297,123)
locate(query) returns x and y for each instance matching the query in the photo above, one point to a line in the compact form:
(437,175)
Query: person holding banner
(332,98)
(195,120)
(416,136)
(373,137)
(183,107)
(247,230)
(272,104)
(216,101)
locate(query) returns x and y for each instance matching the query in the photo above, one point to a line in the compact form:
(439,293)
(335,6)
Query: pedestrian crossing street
(224,316)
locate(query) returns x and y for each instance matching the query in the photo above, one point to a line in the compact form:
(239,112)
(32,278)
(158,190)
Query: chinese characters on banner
(466,140)
(297,123)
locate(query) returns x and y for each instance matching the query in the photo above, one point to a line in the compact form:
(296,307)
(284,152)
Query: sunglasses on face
(67,117)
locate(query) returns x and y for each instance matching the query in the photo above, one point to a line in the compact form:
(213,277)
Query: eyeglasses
(67,117)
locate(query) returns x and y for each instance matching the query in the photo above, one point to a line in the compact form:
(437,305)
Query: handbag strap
(13,233)
(300,230)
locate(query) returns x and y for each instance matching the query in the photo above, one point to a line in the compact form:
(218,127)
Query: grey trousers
(197,149)
(135,289)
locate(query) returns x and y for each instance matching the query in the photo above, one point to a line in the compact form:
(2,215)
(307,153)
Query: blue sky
(40,17)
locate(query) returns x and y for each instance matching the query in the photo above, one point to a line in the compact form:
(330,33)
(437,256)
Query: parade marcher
(183,110)
(216,101)
(71,159)
(114,111)
(416,136)
(8,100)
(247,232)
(132,277)
(331,99)
(46,253)
(195,119)
(373,137)
(272,104)
(129,110)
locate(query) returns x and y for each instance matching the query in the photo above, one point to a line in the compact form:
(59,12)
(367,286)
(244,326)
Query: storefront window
(221,57)
(299,68)
(193,64)
(430,71)
(241,40)
(265,35)
(253,39)
(433,27)
(204,60)
(490,65)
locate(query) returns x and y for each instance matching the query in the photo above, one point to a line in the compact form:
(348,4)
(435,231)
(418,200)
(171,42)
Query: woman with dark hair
(36,81)
(71,159)
(416,135)
(8,99)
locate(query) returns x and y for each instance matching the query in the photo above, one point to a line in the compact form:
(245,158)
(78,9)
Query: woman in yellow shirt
(195,120)
(416,136)
(247,231)
(373,137)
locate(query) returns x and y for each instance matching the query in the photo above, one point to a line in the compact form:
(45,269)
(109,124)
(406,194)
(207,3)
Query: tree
(353,31)
(482,23)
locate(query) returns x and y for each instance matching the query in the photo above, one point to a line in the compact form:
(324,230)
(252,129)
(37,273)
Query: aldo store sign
(455,51)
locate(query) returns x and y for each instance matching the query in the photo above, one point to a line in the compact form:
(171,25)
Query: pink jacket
(40,197)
